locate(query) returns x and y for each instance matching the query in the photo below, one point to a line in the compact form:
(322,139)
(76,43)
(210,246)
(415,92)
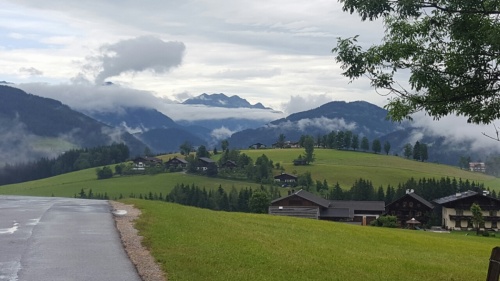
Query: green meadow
(198,244)
(333,166)
(345,167)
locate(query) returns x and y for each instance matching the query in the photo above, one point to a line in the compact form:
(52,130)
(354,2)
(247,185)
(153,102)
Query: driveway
(50,239)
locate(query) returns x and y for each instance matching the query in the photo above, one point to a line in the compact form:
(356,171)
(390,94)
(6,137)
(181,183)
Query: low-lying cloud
(303,103)
(138,54)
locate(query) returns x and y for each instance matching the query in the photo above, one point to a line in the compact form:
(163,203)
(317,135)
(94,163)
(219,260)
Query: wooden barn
(410,206)
(176,162)
(304,204)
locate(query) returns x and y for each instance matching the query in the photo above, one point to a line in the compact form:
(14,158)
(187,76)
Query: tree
(449,48)
(477,216)
(355,142)
(365,145)
(424,154)
(309,149)
(202,152)
(259,202)
(186,148)
(407,151)
(387,147)
(225,145)
(416,151)
(281,141)
(376,146)
(104,173)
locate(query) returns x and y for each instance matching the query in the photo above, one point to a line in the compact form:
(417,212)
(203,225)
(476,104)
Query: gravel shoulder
(145,264)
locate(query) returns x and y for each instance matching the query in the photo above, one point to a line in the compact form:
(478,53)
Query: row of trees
(245,200)
(72,160)
(429,189)
(418,151)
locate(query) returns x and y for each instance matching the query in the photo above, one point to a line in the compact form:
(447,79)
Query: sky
(275,52)
(159,53)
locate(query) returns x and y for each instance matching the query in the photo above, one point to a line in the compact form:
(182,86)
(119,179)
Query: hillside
(34,127)
(188,246)
(334,166)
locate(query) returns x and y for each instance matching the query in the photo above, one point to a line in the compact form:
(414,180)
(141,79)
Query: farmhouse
(257,146)
(285,178)
(456,214)
(204,163)
(304,204)
(408,207)
(229,164)
(176,163)
(140,163)
(477,167)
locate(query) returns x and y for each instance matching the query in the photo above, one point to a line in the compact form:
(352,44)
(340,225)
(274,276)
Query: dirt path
(145,264)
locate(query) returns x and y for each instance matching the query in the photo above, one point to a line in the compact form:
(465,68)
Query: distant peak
(222,100)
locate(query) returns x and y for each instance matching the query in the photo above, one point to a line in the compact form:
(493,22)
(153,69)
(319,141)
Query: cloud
(247,73)
(31,71)
(456,132)
(87,97)
(221,133)
(139,54)
(322,123)
(300,103)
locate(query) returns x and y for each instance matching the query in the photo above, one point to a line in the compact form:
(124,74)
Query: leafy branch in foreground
(449,49)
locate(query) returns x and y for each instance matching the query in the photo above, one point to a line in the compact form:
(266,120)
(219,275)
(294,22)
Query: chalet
(408,207)
(204,162)
(307,205)
(176,163)
(287,144)
(456,214)
(229,164)
(477,167)
(257,146)
(285,178)
(299,162)
(140,163)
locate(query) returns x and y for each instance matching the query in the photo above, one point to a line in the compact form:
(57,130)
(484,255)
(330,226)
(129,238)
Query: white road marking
(10,230)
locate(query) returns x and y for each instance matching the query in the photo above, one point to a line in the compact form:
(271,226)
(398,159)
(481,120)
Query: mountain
(134,119)
(158,131)
(221,100)
(364,119)
(34,127)
(358,117)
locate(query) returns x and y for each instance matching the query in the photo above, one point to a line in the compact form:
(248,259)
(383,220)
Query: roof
(178,159)
(359,205)
(455,197)
(285,175)
(307,196)
(206,160)
(416,197)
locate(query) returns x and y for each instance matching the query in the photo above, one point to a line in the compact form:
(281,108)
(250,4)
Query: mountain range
(34,127)
(221,100)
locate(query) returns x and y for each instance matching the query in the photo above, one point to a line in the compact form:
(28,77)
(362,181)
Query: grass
(185,241)
(343,167)
(67,185)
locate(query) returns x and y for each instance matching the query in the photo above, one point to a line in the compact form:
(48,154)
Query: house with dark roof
(477,167)
(230,164)
(176,163)
(410,206)
(204,163)
(141,162)
(285,178)
(456,214)
(304,204)
(257,146)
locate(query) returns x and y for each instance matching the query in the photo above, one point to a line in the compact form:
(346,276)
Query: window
(405,203)
(410,204)
(419,214)
(493,213)
(460,212)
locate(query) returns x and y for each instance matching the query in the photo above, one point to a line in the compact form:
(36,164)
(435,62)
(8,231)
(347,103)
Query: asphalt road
(51,239)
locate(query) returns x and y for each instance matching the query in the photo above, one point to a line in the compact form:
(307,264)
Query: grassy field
(345,167)
(335,166)
(197,244)
(68,185)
